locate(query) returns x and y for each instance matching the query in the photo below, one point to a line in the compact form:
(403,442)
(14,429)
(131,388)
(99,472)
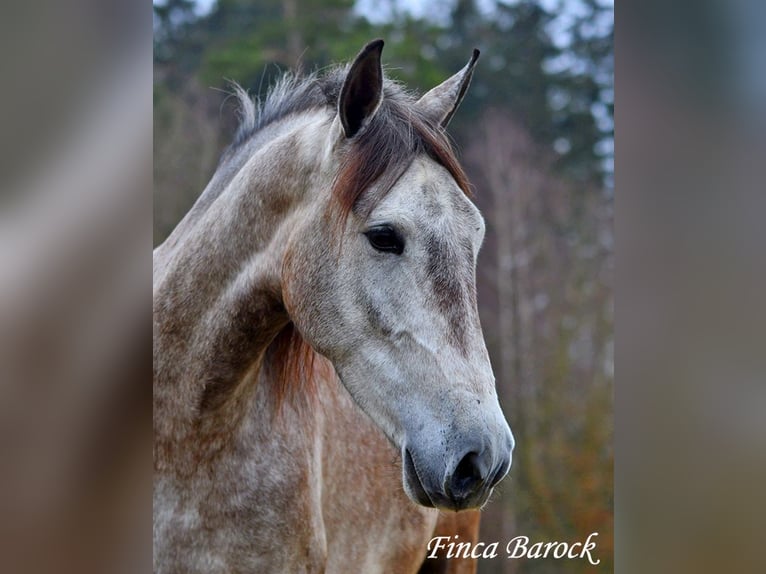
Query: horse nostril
(467,476)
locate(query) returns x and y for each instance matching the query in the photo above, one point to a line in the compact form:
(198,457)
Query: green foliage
(556,91)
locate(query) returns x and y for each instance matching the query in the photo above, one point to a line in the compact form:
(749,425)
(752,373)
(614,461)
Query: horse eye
(385,238)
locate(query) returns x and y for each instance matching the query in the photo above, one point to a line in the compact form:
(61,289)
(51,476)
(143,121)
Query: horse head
(381,279)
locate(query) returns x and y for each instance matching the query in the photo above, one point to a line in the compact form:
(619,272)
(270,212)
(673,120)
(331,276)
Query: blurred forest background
(535,134)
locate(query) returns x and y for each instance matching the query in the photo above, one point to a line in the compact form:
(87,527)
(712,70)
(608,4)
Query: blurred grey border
(75,253)
(75,284)
(691,278)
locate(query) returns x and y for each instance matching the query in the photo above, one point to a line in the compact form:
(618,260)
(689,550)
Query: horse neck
(217,295)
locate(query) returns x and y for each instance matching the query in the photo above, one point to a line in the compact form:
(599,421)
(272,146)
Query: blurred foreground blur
(75,249)
(691,360)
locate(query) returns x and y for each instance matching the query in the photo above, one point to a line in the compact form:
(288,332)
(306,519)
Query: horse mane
(395,135)
(291,93)
(376,158)
(294,362)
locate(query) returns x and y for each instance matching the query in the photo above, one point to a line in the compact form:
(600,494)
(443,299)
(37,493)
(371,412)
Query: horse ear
(439,103)
(362,89)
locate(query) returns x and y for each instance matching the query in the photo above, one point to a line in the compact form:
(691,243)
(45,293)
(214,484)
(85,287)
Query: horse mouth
(413,484)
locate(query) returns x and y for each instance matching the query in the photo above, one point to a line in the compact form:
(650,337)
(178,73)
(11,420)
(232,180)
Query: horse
(323,396)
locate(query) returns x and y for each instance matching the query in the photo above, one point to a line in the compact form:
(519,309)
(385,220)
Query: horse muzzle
(466,481)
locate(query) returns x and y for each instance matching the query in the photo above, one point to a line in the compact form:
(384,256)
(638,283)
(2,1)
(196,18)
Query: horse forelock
(385,149)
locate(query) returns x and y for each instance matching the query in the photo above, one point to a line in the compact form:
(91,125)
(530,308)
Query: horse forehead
(428,193)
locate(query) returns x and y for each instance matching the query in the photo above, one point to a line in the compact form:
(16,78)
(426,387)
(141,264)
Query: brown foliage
(546,304)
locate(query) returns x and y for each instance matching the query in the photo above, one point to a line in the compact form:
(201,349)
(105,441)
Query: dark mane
(397,133)
(291,94)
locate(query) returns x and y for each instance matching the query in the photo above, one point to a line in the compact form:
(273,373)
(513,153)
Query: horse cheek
(307,291)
